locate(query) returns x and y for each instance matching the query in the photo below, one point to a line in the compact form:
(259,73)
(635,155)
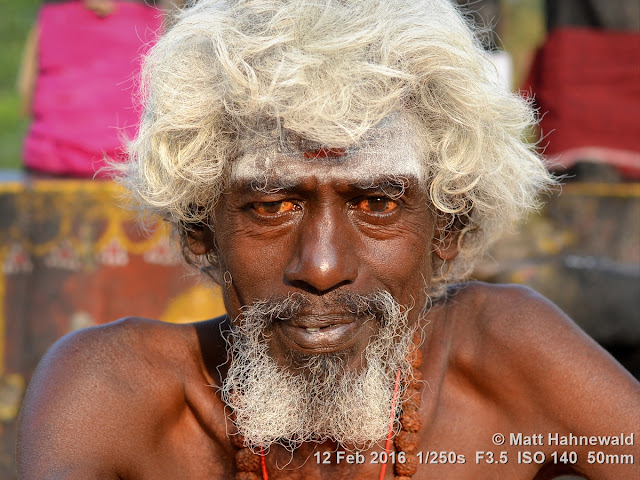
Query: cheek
(398,261)
(403,263)
(255,266)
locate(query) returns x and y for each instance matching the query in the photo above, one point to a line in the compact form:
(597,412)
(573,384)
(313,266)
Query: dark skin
(133,400)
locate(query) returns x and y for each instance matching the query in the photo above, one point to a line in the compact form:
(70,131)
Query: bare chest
(458,448)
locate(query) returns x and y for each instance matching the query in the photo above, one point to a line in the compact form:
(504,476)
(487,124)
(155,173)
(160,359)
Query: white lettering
(520,439)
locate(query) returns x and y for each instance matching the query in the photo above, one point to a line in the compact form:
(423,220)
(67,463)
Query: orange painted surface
(72,257)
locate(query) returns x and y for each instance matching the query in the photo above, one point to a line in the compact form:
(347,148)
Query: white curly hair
(329,71)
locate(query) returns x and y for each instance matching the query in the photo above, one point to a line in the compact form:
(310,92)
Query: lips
(320,333)
(321,320)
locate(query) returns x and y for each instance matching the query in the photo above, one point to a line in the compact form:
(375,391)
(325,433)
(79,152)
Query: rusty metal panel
(71,257)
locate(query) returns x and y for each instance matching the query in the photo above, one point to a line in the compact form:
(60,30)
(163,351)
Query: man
(335,167)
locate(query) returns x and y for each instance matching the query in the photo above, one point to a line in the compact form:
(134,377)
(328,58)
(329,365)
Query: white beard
(321,400)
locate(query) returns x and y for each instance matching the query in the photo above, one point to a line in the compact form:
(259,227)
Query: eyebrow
(392,185)
(269,184)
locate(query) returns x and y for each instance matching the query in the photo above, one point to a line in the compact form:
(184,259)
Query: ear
(199,241)
(445,241)
(196,239)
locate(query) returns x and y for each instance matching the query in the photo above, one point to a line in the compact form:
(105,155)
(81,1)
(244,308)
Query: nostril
(320,268)
(308,288)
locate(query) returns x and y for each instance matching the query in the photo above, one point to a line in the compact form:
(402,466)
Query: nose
(324,256)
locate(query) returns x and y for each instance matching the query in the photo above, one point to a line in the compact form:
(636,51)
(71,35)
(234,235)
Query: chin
(343,393)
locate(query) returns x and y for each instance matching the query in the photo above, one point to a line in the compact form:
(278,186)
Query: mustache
(285,308)
(315,397)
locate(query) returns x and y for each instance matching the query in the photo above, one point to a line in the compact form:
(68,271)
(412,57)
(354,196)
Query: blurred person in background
(77,79)
(586,82)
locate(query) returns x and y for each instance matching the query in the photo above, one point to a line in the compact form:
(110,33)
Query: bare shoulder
(542,370)
(532,338)
(97,383)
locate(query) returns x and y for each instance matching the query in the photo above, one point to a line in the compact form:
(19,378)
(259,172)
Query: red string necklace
(254,467)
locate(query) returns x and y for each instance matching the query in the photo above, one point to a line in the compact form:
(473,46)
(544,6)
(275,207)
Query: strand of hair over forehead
(329,70)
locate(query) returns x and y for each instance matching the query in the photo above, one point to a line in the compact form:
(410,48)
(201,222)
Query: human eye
(273,209)
(376,205)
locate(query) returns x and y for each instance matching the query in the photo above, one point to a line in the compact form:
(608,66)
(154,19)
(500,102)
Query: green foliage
(12,128)
(15,21)
(523,31)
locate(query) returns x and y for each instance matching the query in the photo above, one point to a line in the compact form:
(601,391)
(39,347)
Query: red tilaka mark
(325,152)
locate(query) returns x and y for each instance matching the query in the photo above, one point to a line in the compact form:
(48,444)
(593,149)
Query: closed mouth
(320,333)
(319,321)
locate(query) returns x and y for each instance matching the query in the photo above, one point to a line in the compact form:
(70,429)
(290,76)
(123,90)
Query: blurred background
(521,22)
(16,20)
(72,257)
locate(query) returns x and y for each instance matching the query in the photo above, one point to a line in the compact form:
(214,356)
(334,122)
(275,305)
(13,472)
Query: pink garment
(84,104)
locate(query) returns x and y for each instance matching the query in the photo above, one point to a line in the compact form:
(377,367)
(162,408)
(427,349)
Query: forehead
(389,149)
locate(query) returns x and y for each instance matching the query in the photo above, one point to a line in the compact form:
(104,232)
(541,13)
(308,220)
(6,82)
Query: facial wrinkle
(390,148)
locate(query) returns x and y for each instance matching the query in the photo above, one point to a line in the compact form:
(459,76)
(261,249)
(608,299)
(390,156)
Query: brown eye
(270,209)
(377,205)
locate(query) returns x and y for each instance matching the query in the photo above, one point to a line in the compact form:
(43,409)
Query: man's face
(324,259)
(326,224)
